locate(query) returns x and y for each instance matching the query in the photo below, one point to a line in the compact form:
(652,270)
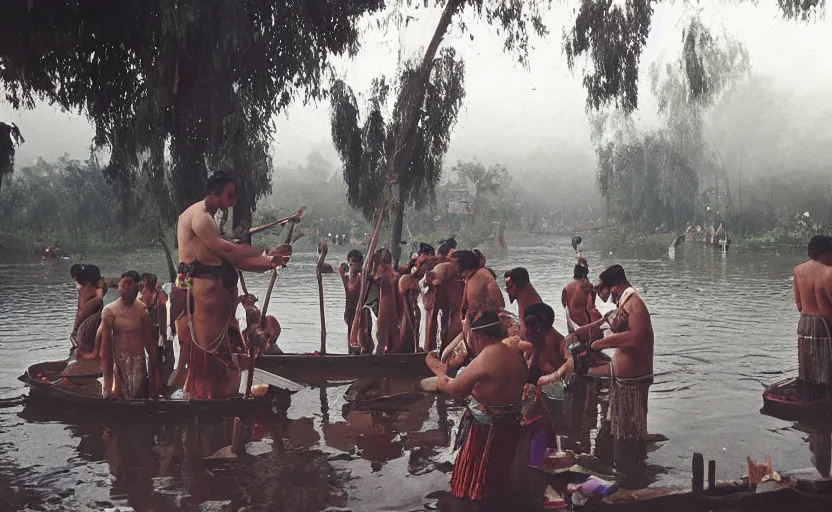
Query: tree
(406,151)
(198,81)
(613,33)
(9,138)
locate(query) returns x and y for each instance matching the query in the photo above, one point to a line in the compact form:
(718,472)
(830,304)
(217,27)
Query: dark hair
(133,275)
(151,278)
(85,273)
(491,319)
(581,271)
(356,255)
(466,260)
(613,276)
(576,241)
(818,245)
(541,311)
(519,277)
(446,245)
(426,249)
(217,182)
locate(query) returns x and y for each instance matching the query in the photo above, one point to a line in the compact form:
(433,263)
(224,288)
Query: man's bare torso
(813,287)
(128,330)
(190,246)
(636,360)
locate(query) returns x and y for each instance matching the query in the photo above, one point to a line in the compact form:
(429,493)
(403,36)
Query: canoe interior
(313,367)
(42,380)
(780,401)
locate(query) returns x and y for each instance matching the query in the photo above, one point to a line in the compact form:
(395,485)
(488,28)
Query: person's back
(506,376)
(482,292)
(578,298)
(813,289)
(191,247)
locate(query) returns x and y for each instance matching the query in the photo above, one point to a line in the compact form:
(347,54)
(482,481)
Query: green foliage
(70,204)
(9,138)
(622,241)
(200,80)
(793,233)
(647,183)
(613,34)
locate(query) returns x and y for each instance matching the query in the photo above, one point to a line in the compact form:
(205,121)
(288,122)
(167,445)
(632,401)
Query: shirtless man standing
(388,316)
(208,278)
(520,289)
(813,297)
(126,334)
(632,363)
(493,383)
(578,297)
(351,278)
(481,293)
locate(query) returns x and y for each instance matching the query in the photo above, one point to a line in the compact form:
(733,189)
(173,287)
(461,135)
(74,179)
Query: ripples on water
(724,327)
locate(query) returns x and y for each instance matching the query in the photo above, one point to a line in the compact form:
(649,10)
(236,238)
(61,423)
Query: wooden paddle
(296,217)
(323,248)
(252,350)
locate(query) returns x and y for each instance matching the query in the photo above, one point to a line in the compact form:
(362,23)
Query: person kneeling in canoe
(632,362)
(490,429)
(126,335)
(205,297)
(813,297)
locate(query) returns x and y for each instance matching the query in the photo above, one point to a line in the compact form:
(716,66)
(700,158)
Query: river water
(725,326)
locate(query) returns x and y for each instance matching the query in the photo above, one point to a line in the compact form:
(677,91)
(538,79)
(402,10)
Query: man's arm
(638,318)
(463,384)
(563,297)
(107,351)
(151,349)
(796,293)
(206,230)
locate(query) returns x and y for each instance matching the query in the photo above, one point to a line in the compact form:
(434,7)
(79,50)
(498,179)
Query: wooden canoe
(313,367)
(43,382)
(781,401)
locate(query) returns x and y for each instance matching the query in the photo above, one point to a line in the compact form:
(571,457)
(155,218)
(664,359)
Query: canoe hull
(86,395)
(779,401)
(313,367)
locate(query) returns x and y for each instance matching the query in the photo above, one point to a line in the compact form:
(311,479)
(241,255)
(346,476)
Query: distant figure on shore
(813,297)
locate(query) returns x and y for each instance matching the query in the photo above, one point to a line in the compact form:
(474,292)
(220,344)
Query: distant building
(459,201)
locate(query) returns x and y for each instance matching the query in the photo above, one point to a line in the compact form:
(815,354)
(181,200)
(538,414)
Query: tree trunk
(398,226)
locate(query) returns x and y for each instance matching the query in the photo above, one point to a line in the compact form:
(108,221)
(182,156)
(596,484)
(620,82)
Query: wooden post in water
(711,475)
(698,481)
(323,248)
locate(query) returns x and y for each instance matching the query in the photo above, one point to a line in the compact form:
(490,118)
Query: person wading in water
(813,297)
(578,298)
(204,300)
(489,431)
(126,335)
(519,288)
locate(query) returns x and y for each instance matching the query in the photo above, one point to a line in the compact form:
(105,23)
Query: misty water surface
(725,326)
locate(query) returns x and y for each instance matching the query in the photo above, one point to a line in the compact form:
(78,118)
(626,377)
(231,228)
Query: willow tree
(406,150)
(613,33)
(363,146)
(177,88)
(10,138)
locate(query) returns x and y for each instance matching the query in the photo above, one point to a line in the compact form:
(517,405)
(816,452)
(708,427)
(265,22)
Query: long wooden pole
(323,248)
(252,352)
(404,141)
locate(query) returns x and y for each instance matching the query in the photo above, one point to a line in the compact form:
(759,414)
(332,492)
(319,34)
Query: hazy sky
(509,112)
